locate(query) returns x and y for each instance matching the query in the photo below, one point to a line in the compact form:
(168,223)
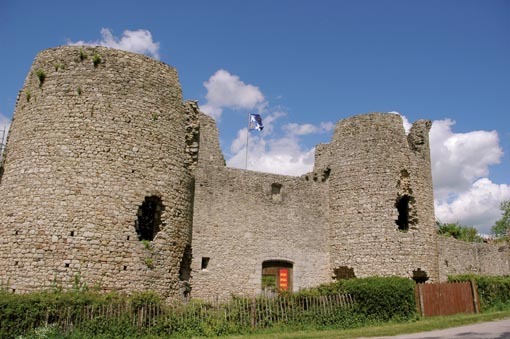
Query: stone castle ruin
(111,177)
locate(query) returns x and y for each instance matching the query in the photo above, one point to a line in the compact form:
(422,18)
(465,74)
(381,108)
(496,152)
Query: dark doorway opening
(402,206)
(185,267)
(276,276)
(148,223)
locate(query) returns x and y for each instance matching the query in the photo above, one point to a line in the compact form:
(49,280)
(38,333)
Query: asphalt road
(490,330)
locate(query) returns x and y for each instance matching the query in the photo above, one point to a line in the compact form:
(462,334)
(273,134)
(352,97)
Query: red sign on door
(284,279)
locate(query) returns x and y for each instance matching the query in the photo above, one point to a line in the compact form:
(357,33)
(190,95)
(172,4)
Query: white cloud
(5,123)
(478,206)
(460,168)
(280,155)
(225,90)
(305,129)
(138,41)
(458,159)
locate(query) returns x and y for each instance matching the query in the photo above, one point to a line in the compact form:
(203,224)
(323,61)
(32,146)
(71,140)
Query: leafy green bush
(494,291)
(371,300)
(377,298)
(21,312)
(383,299)
(145,298)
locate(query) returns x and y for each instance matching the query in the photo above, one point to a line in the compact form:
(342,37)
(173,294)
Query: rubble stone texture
(100,134)
(86,147)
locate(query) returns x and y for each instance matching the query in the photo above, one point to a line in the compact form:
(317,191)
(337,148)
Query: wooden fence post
(253,313)
(474,291)
(419,300)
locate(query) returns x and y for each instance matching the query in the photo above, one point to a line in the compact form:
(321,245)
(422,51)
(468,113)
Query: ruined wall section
(210,151)
(461,257)
(95,132)
(239,222)
(374,164)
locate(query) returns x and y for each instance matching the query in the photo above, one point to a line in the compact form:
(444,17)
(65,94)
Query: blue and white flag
(256,122)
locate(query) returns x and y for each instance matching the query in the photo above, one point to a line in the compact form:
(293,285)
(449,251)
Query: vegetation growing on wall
(96,59)
(41,75)
(458,231)
(83,55)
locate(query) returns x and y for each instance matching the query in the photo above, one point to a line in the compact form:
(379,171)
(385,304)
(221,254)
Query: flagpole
(247,139)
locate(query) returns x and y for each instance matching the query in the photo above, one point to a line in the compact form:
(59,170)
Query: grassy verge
(388,329)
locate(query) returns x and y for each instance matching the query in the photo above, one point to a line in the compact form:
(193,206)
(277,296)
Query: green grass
(388,329)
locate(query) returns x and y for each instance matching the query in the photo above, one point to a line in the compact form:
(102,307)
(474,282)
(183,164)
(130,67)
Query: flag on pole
(256,122)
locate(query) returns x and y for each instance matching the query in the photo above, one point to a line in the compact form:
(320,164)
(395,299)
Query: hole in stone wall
(325,174)
(15,263)
(149,218)
(185,268)
(402,206)
(276,188)
(420,276)
(71,233)
(205,262)
(276,192)
(16,233)
(343,272)
(128,237)
(13,290)
(125,267)
(66,264)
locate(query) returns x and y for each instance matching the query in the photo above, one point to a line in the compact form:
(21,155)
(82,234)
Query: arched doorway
(276,276)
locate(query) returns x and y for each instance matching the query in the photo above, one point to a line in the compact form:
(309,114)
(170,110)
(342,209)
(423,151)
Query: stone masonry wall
(239,223)
(460,257)
(372,164)
(91,138)
(97,132)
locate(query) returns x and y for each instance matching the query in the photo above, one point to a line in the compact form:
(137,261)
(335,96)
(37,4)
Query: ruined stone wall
(372,165)
(239,222)
(461,257)
(210,152)
(98,131)
(95,132)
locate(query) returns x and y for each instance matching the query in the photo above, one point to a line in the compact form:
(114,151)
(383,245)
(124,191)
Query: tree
(501,227)
(460,232)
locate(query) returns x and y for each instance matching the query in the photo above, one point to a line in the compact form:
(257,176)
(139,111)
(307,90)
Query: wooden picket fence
(447,298)
(260,312)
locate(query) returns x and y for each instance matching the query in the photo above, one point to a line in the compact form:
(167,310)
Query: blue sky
(306,64)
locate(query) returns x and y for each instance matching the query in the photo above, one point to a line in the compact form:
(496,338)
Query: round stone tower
(96,184)
(381,198)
